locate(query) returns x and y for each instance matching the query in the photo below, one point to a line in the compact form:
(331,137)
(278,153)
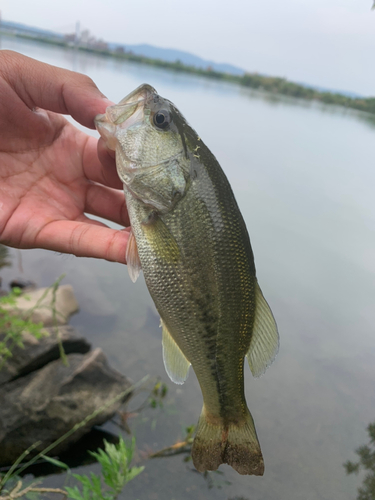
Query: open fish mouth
(143,92)
(133,115)
(126,113)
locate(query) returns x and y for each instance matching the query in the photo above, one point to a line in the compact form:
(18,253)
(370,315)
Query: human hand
(50,173)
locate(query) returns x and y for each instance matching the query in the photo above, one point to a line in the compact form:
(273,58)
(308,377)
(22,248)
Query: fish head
(144,129)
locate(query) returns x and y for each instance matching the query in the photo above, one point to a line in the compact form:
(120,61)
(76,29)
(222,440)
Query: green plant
(13,325)
(159,392)
(17,468)
(119,458)
(33,491)
(116,472)
(366,463)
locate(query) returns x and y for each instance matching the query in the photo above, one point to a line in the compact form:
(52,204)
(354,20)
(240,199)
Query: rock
(39,352)
(65,305)
(22,284)
(77,455)
(47,403)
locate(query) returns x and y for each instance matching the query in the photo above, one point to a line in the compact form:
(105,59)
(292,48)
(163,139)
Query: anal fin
(175,362)
(264,343)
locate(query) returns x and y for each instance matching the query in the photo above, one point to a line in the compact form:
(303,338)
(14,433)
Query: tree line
(275,85)
(271,84)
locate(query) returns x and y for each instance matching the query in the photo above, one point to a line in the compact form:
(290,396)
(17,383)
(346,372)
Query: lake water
(304,178)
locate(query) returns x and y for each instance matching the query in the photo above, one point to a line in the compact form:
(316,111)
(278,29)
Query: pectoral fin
(132,258)
(160,239)
(264,343)
(175,362)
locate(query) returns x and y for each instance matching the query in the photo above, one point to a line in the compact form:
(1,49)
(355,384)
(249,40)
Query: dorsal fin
(264,343)
(175,362)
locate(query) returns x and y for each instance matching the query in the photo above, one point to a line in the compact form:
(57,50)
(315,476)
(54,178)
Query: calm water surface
(304,179)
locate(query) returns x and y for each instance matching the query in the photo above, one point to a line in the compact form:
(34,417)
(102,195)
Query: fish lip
(142,93)
(123,114)
(129,104)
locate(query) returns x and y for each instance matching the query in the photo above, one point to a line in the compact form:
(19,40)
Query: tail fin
(235,445)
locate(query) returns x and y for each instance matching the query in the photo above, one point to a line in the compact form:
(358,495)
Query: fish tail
(235,444)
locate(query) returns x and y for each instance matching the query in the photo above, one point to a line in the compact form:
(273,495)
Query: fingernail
(110,103)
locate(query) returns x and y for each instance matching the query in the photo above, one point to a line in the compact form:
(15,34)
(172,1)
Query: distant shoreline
(270,84)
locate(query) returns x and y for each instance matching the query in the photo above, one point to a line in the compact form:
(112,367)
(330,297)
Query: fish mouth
(141,93)
(124,114)
(129,105)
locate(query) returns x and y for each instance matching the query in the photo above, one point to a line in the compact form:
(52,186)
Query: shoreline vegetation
(274,85)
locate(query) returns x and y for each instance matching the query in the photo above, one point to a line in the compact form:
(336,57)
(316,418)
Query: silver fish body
(190,240)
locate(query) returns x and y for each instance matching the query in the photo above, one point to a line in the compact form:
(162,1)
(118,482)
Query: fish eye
(162,119)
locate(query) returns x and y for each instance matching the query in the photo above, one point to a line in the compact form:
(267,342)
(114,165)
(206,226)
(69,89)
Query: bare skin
(50,172)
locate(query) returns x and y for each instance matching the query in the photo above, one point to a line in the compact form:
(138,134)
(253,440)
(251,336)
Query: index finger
(52,88)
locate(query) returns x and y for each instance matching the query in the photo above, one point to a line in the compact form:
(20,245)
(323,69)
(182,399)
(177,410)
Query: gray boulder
(42,299)
(47,403)
(38,352)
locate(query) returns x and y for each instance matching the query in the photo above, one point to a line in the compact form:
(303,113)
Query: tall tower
(77,37)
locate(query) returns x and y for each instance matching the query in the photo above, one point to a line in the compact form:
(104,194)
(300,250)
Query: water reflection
(278,99)
(366,463)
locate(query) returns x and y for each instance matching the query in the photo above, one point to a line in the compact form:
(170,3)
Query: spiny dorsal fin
(175,362)
(264,343)
(132,258)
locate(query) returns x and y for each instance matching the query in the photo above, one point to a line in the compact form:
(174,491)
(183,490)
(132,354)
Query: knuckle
(115,249)
(10,64)
(76,240)
(84,81)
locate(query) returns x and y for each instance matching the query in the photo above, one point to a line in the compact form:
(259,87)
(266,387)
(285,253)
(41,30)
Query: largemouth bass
(190,240)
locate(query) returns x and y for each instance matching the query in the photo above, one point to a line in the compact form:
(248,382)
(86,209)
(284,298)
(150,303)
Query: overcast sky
(329,43)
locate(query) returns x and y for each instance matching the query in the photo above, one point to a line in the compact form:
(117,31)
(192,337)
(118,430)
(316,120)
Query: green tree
(366,463)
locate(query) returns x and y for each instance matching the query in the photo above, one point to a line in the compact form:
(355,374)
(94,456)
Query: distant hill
(168,55)
(173,55)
